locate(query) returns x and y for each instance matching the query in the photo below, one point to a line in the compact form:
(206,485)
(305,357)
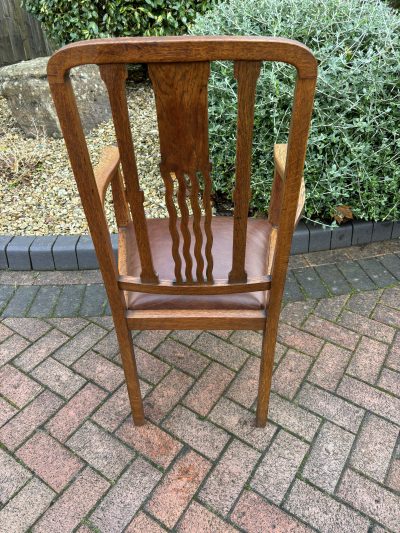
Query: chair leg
(267,363)
(131,375)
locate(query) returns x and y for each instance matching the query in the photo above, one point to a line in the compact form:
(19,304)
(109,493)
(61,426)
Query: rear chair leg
(131,375)
(267,362)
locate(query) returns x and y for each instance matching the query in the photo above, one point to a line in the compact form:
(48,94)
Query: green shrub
(354,149)
(66,21)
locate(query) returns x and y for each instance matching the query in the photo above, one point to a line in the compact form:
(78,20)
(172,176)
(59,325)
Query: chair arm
(106,170)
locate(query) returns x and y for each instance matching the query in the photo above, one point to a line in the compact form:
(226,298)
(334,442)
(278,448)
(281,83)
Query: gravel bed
(38,194)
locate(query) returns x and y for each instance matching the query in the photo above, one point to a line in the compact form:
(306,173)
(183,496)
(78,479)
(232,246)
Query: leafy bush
(66,21)
(354,149)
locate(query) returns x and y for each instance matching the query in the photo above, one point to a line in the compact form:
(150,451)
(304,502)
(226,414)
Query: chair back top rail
(179,69)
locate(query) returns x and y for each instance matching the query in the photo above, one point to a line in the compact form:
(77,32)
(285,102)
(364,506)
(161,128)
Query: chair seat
(258,232)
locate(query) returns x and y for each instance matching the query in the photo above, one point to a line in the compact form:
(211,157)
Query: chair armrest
(106,170)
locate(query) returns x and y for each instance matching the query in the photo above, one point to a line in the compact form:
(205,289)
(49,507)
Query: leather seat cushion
(258,231)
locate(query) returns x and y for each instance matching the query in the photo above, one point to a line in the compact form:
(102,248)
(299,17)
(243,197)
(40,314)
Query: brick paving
(328,460)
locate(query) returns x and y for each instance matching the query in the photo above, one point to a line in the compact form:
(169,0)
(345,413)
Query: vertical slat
(120,206)
(184,225)
(198,245)
(207,223)
(246,73)
(173,217)
(114,76)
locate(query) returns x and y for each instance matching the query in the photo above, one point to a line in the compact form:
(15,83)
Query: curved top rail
(176,49)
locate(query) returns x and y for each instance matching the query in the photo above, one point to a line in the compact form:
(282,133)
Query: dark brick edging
(74,252)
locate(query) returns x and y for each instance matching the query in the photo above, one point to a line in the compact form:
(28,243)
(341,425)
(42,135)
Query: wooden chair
(188,271)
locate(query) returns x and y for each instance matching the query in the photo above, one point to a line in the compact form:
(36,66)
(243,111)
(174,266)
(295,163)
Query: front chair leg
(267,363)
(131,375)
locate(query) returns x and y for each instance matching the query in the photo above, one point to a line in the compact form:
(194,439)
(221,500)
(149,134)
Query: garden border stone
(76,252)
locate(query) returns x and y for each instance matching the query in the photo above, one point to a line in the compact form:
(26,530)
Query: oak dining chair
(192,270)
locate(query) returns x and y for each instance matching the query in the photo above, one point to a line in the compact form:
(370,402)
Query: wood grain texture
(246,73)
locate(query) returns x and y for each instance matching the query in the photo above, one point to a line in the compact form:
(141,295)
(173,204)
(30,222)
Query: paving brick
(367,360)
(6,293)
(320,237)
(244,388)
(290,373)
(150,441)
(64,252)
(174,493)
(30,328)
(40,350)
(333,279)
(207,390)
(69,301)
(331,332)
(371,499)
(74,504)
(18,252)
(293,418)
(248,340)
(199,434)
(330,308)
(390,381)
(228,477)
(393,360)
(100,450)
(220,351)
(142,523)
(393,477)
(374,447)
(387,315)
(40,252)
(310,282)
(295,313)
(93,300)
(292,290)
(330,406)
(392,263)
(80,344)
(279,466)
(377,272)
(328,456)
(59,378)
(322,512)
(166,395)
(363,303)
(6,411)
(20,301)
(299,340)
(4,240)
(149,367)
(366,326)
(330,366)
(98,369)
(198,518)
(11,347)
(149,340)
(380,403)
(44,302)
(4,332)
(391,297)
(17,387)
(185,336)
(73,413)
(49,460)
(241,423)
(356,276)
(70,326)
(108,346)
(12,476)
(342,236)
(114,410)
(362,232)
(26,507)
(255,515)
(181,356)
(14,432)
(125,498)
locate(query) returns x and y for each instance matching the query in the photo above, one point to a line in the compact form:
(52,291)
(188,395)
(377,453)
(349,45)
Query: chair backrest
(179,69)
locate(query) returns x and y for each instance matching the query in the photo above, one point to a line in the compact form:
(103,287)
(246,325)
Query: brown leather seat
(258,231)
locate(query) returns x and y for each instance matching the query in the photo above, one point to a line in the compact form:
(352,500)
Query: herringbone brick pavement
(328,460)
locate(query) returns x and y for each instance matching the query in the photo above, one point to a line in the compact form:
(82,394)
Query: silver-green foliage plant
(354,148)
